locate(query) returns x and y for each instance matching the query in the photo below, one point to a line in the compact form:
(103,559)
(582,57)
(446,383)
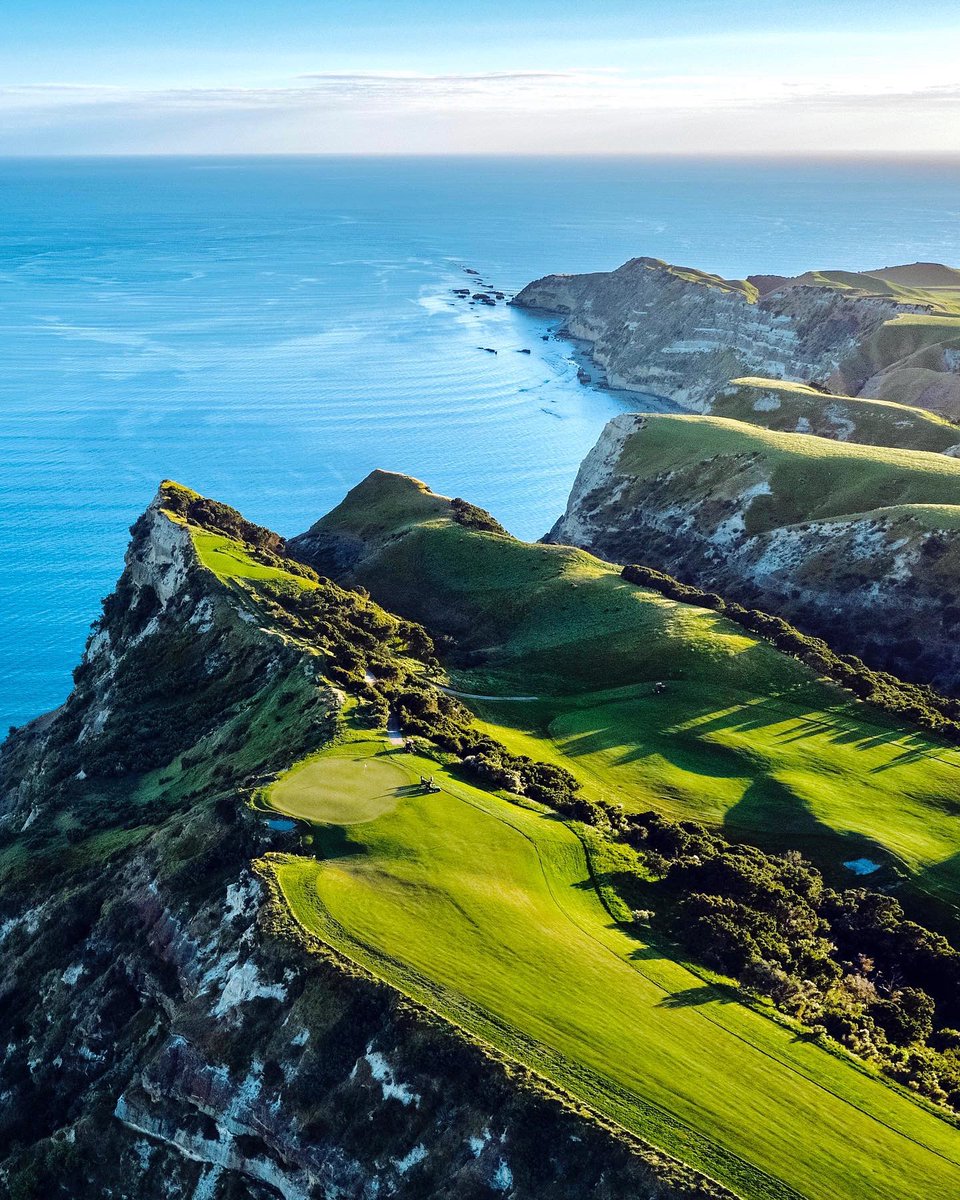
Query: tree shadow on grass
(835,724)
(695,996)
(334,841)
(939,902)
(772,816)
(768,806)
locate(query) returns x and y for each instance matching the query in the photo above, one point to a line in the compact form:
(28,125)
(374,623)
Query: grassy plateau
(785,407)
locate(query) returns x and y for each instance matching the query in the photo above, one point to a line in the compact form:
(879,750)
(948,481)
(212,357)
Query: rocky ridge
(880,584)
(170,1032)
(684,334)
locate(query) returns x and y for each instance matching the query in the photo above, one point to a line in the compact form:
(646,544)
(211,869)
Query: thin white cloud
(551,111)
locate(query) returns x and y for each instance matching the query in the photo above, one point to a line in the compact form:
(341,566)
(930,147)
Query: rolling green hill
(486,912)
(786,407)
(743,737)
(931,284)
(910,359)
(228,685)
(808,478)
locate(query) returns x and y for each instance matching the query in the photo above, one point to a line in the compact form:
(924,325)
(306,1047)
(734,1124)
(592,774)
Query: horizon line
(892,156)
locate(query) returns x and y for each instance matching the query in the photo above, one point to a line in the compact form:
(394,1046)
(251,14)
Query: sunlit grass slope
(786,407)
(922,283)
(807,478)
(487,912)
(743,736)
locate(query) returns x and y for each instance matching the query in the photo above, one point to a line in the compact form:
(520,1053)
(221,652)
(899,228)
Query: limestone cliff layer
(880,583)
(684,334)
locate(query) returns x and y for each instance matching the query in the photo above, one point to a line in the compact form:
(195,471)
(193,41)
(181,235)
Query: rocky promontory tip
(682,333)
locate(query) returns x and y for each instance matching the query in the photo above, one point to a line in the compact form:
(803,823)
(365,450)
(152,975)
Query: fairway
(337,790)
(770,770)
(743,737)
(487,912)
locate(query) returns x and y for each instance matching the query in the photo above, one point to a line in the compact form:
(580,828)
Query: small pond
(862,866)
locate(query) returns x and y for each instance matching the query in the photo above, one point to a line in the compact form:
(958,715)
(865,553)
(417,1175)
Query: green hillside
(786,407)
(487,908)
(808,478)
(908,359)
(487,913)
(938,287)
(743,737)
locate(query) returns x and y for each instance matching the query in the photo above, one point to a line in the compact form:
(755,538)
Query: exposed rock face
(879,584)
(683,334)
(178,1049)
(174,657)
(167,1032)
(799,408)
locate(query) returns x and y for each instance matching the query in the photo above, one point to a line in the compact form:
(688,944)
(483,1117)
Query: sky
(696,77)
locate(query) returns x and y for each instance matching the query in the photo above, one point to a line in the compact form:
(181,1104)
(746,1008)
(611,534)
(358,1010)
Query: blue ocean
(268,331)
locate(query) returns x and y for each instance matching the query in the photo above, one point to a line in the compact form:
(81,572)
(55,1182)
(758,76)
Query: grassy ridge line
(785,407)
(745,736)
(810,478)
(917,703)
(943,297)
(376,919)
(650,1124)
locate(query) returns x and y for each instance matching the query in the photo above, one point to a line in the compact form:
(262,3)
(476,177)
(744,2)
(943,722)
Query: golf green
(334,790)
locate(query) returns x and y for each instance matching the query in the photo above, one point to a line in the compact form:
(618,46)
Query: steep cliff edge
(167,1031)
(684,334)
(857,544)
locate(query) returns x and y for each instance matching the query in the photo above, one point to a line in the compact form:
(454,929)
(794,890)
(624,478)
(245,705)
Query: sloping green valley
(740,735)
(487,912)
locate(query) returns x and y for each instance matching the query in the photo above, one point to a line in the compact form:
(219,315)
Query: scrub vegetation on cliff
(229,682)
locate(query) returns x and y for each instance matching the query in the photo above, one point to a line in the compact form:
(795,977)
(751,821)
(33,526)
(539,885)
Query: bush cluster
(917,703)
(425,710)
(217,518)
(467,514)
(848,964)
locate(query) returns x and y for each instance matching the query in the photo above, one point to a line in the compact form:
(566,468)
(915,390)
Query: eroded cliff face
(169,1031)
(175,659)
(684,335)
(881,585)
(164,1042)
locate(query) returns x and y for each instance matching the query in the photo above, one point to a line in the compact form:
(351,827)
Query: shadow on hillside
(940,882)
(695,996)
(677,747)
(768,806)
(334,841)
(693,740)
(836,726)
